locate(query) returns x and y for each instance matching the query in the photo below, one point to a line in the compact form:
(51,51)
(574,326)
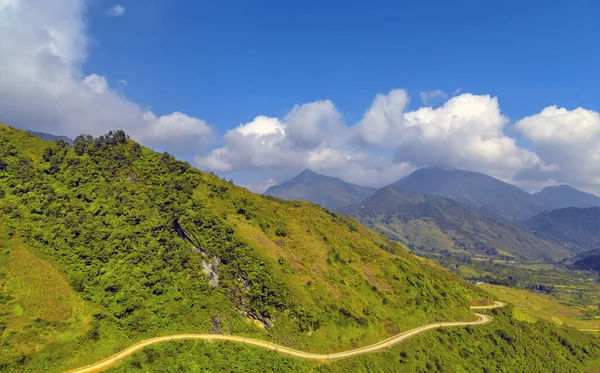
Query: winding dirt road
(106,363)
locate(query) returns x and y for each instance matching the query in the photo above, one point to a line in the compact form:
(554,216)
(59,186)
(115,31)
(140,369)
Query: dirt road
(106,363)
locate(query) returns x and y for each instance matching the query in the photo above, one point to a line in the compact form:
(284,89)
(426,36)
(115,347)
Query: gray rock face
(211,270)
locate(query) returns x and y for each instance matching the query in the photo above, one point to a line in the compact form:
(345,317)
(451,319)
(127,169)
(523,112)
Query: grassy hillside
(150,246)
(432,225)
(506,345)
(532,307)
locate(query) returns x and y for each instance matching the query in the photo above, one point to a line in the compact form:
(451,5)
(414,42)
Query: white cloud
(466,132)
(432,97)
(177,129)
(116,11)
(260,187)
(568,144)
(43,88)
(312,124)
(379,124)
(96,83)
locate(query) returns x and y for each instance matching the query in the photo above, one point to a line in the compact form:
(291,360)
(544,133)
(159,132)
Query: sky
(368,91)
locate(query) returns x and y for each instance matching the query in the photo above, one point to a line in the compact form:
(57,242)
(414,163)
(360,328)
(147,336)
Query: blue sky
(363,90)
(226,61)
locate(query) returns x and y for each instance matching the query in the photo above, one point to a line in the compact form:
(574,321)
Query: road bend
(387,343)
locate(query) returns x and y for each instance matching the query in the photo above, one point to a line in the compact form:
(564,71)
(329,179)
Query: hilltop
(432,225)
(327,191)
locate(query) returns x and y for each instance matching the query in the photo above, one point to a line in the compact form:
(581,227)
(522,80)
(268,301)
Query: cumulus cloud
(379,126)
(312,124)
(279,144)
(43,88)
(116,11)
(466,132)
(434,96)
(567,143)
(176,129)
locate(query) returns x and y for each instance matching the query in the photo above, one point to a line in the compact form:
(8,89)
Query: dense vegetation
(506,345)
(138,244)
(576,228)
(435,225)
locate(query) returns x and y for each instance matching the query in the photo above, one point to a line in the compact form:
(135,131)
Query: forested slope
(505,345)
(148,245)
(434,225)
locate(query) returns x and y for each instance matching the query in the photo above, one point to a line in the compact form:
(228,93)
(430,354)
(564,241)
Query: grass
(40,306)
(531,307)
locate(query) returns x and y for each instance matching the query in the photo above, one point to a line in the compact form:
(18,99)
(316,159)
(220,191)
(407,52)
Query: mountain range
(437,209)
(434,224)
(474,190)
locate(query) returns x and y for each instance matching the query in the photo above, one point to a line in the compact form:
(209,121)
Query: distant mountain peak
(328,191)
(51,137)
(474,189)
(562,196)
(308,171)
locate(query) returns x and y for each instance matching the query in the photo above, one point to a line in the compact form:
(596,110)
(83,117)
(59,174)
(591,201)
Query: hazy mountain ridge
(587,260)
(577,228)
(475,190)
(327,191)
(562,196)
(51,137)
(416,218)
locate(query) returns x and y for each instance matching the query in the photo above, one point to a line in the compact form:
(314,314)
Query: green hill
(433,225)
(150,245)
(105,243)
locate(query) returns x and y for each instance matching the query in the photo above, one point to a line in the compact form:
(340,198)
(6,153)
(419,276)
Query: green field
(532,307)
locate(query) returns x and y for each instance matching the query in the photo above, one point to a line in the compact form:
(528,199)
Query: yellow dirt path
(106,363)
